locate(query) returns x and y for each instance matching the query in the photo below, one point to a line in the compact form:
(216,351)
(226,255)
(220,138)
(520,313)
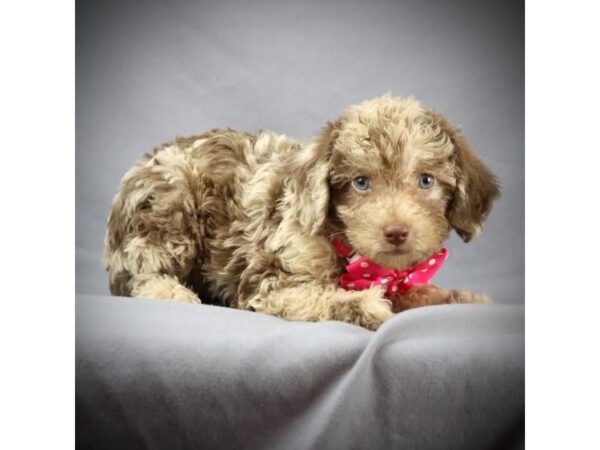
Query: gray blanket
(159,375)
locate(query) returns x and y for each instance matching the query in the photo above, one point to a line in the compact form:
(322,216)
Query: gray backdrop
(148,71)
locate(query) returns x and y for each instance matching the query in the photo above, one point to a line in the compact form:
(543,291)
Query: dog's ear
(310,175)
(476,186)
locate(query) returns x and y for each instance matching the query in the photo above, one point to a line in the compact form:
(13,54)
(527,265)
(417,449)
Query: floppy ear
(310,174)
(476,187)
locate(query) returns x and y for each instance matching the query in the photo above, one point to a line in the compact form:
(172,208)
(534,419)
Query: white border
(562,226)
(37,224)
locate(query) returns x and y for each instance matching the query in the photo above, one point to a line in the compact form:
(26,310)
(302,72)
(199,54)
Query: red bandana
(361,273)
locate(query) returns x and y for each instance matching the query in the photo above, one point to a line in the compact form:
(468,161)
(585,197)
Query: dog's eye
(426,181)
(361,183)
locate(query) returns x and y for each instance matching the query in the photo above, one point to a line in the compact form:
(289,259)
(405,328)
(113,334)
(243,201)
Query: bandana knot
(362,273)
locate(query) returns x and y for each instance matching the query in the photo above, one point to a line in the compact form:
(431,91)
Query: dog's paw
(182,294)
(374,313)
(430,294)
(365,308)
(162,287)
(466,296)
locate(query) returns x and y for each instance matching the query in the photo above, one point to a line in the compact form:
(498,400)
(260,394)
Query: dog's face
(397,178)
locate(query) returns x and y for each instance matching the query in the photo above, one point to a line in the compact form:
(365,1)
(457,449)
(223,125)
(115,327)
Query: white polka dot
(364,264)
(350,285)
(367,275)
(384,280)
(432,261)
(394,288)
(424,270)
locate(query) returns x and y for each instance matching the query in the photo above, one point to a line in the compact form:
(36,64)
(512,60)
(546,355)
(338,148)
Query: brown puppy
(249,218)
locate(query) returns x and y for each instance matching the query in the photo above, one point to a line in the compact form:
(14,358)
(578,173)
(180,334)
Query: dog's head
(392,178)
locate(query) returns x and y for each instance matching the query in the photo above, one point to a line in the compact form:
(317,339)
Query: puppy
(254,220)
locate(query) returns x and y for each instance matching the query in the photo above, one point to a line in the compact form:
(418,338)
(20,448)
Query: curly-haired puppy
(249,218)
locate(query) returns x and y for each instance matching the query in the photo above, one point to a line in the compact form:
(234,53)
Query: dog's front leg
(317,302)
(430,294)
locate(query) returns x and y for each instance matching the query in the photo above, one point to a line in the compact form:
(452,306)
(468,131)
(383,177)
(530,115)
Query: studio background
(148,71)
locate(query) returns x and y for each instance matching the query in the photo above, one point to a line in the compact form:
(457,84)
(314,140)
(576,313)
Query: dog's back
(180,213)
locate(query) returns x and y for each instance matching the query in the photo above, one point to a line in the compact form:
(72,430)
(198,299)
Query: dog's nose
(396,234)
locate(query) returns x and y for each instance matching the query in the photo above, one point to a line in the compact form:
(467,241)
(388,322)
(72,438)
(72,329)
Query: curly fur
(248,218)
